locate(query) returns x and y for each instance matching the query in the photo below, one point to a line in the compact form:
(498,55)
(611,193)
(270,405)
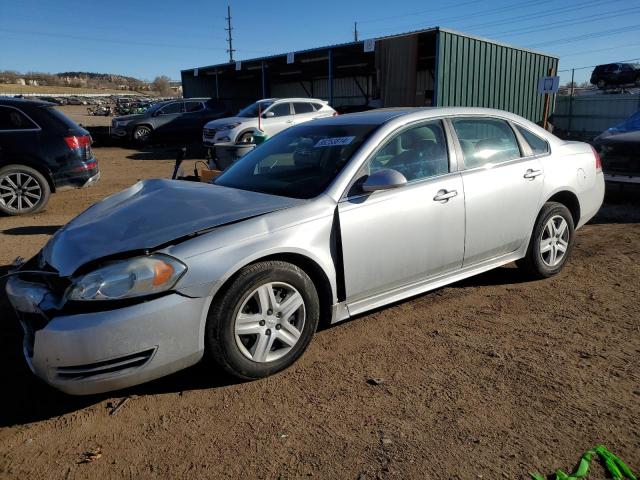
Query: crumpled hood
(149,214)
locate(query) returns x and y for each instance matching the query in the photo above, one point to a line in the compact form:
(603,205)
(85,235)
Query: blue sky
(146,38)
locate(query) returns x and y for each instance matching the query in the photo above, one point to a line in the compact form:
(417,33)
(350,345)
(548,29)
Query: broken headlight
(134,277)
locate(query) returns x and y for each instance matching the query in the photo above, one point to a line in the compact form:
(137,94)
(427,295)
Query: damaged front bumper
(99,351)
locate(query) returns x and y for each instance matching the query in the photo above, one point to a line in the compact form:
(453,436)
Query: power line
(591,66)
(587,36)
(564,23)
(123,42)
(482,13)
(617,47)
(431,10)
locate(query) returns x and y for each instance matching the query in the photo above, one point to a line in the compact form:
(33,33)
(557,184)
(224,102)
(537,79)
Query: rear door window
(302,107)
(281,109)
(171,109)
(486,141)
(14,119)
(193,106)
(538,145)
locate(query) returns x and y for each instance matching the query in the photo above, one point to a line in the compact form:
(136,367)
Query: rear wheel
(142,135)
(23,190)
(551,242)
(263,321)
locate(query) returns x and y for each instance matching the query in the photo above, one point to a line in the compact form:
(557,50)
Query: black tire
(533,264)
(601,84)
(220,338)
(142,135)
(637,82)
(31,194)
(245,137)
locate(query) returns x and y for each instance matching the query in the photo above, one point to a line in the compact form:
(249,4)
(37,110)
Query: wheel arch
(569,200)
(36,165)
(311,267)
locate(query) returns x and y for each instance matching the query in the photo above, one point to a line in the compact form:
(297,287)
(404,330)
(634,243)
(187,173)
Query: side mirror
(268,115)
(384,179)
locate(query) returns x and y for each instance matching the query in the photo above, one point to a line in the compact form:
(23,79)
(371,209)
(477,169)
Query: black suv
(616,74)
(41,151)
(172,121)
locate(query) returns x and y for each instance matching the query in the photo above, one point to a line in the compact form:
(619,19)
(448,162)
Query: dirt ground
(488,378)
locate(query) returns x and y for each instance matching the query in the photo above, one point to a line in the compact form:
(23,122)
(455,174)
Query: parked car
(326,220)
(41,151)
(616,74)
(276,114)
(171,121)
(619,147)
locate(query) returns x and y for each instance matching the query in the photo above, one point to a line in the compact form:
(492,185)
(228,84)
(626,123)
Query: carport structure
(432,67)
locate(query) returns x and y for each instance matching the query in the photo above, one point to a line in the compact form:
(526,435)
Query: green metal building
(433,67)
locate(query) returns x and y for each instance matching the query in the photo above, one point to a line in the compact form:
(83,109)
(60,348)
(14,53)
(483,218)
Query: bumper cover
(101,351)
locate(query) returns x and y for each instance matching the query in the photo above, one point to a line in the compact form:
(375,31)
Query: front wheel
(551,242)
(601,84)
(23,190)
(263,321)
(142,135)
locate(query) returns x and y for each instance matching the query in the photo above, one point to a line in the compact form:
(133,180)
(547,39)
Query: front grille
(209,132)
(82,372)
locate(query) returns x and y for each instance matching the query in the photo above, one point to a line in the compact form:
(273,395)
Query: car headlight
(134,277)
(229,126)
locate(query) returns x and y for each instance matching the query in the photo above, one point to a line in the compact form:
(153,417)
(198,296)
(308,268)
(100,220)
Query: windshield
(252,110)
(300,162)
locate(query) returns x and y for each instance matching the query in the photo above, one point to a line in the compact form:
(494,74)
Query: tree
(161,85)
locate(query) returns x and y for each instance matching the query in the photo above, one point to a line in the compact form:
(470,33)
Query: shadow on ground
(32,230)
(169,152)
(621,205)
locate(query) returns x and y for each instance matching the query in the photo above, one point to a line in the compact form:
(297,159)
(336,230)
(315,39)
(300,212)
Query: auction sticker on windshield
(334,142)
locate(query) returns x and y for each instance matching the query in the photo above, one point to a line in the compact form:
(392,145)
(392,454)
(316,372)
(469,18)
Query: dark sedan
(41,151)
(172,121)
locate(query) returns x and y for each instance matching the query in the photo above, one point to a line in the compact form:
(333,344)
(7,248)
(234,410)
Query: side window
(538,145)
(485,141)
(302,107)
(281,109)
(12,119)
(193,107)
(317,106)
(419,152)
(172,108)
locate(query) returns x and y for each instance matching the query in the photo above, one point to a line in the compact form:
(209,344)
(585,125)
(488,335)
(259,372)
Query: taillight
(75,143)
(598,161)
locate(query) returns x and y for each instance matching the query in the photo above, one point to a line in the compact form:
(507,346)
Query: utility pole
(355,31)
(230,50)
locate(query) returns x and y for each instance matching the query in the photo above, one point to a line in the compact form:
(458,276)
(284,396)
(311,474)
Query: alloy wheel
(554,242)
(19,192)
(142,134)
(270,322)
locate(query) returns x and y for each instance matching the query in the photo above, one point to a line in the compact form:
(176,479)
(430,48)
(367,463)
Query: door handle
(444,195)
(531,174)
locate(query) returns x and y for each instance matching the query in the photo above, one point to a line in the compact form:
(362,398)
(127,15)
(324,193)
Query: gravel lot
(488,378)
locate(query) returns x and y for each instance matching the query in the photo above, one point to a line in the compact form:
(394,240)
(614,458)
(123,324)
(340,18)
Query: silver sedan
(324,221)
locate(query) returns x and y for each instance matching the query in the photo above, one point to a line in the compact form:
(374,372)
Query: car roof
(409,114)
(23,102)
